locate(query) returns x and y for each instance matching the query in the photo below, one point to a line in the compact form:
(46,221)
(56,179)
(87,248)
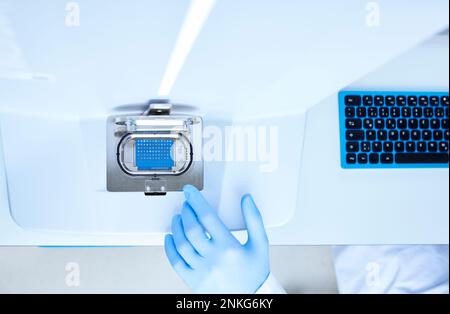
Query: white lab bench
(324,203)
(335,206)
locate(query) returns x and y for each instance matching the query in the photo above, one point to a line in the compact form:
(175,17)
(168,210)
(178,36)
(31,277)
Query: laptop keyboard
(394,130)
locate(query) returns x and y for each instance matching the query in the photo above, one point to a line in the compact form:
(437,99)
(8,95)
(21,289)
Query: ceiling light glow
(196,17)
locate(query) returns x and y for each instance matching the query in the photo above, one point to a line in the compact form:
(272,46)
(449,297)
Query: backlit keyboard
(394,129)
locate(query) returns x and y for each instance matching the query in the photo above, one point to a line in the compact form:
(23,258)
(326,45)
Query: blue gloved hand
(208,257)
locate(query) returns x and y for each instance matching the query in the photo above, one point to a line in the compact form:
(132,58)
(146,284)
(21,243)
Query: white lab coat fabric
(385,269)
(413,269)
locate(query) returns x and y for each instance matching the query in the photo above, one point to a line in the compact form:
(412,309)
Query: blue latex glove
(208,257)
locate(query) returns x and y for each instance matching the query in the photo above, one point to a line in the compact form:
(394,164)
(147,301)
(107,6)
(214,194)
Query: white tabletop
(320,210)
(326,213)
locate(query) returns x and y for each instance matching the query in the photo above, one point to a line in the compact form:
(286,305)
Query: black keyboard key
(368,124)
(439,113)
(361,112)
(354,135)
(387,158)
(353,124)
(420,158)
(428,113)
(432,147)
(426,135)
(415,135)
(363,159)
(412,101)
(352,147)
(421,147)
(393,135)
(374,159)
(445,124)
(379,101)
(373,112)
(400,147)
(424,124)
(368,101)
(390,101)
(443,147)
(376,147)
(413,124)
(350,112)
(388,147)
(402,124)
(438,135)
(351,159)
(417,112)
(406,112)
(382,135)
(352,100)
(423,101)
(435,124)
(396,112)
(365,147)
(445,101)
(410,147)
(434,101)
(447,135)
(379,124)
(405,135)
(391,124)
(384,112)
(371,135)
(401,101)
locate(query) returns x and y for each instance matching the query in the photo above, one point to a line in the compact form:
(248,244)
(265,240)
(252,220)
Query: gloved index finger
(205,213)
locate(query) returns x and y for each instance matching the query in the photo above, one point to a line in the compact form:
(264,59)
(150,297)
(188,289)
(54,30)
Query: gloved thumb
(257,237)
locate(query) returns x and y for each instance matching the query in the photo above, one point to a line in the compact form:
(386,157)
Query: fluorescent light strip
(197,15)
